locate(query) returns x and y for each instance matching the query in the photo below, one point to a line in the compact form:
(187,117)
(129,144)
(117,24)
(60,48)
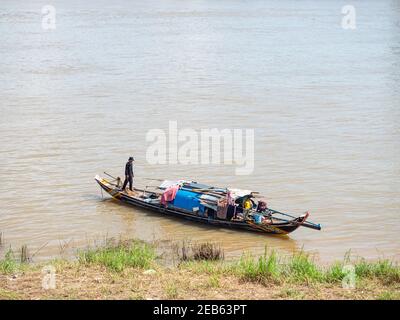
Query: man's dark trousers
(130,180)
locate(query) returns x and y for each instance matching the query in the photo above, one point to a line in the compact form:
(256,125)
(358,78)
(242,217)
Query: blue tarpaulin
(187,200)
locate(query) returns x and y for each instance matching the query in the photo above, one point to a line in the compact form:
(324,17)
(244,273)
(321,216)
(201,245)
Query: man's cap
(131,158)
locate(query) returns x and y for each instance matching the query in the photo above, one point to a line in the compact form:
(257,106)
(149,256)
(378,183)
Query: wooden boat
(252,219)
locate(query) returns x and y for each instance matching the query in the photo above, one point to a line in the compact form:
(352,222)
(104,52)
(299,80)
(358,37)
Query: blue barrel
(187,200)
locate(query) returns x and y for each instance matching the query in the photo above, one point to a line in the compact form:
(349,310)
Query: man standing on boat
(128,174)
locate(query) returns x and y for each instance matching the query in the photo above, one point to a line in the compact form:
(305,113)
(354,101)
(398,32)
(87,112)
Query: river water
(323,101)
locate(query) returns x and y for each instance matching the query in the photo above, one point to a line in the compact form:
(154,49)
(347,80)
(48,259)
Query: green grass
(389,295)
(263,268)
(214,281)
(384,270)
(301,268)
(290,293)
(9,295)
(117,257)
(335,272)
(171,290)
(8,264)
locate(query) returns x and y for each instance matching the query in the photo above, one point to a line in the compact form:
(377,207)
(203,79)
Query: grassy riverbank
(132,270)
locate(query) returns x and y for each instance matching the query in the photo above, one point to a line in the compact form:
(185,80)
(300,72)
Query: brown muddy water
(324,103)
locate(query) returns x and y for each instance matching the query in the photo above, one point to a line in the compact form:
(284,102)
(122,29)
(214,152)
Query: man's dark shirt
(129,169)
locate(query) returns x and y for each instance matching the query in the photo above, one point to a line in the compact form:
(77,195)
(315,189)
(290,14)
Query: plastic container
(257,218)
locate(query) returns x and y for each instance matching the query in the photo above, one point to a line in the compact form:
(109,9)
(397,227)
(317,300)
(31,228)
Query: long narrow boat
(222,207)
